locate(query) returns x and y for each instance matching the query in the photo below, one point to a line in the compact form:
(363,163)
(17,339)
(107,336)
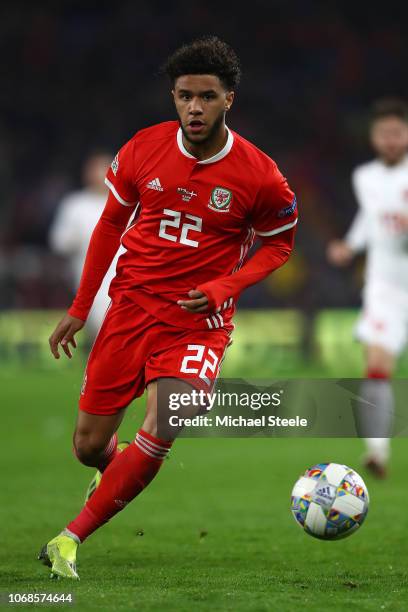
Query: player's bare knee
(88,449)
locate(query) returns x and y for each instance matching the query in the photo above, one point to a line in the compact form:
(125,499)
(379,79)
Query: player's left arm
(273,253)
(274,218)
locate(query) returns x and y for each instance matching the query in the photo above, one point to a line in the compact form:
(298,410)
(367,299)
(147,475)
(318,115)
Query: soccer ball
(330,501)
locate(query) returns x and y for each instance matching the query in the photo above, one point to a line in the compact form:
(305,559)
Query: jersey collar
(220,155)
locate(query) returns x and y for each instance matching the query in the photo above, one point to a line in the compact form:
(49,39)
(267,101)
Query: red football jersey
(197,219)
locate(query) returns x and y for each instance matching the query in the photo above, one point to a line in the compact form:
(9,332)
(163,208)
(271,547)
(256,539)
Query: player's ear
(229,99)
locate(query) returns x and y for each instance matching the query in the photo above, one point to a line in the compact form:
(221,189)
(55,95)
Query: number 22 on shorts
(204,359)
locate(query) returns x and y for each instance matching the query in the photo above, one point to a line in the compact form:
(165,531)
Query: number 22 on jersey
(194,224)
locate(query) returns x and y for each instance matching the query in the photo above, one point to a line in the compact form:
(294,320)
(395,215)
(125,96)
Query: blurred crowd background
(79,78)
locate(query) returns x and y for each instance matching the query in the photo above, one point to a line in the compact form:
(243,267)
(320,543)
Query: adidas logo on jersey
(155,184)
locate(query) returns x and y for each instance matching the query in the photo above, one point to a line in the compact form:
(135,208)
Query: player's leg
(137,465)
(114,377)
(95,438)
(377,408)
(95,444)
(131,472)
(383,331)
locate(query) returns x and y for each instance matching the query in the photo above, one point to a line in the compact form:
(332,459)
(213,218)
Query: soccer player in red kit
(186,200)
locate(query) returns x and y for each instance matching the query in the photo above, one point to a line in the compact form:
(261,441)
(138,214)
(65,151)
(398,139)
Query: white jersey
(381,224)
(70,233)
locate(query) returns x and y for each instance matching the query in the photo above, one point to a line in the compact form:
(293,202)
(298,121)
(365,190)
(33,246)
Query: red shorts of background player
(134,348)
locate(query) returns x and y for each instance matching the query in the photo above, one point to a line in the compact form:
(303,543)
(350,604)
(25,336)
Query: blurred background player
(380,228)
(73,225)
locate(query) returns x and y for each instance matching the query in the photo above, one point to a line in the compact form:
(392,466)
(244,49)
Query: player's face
(201,102)
(389,137)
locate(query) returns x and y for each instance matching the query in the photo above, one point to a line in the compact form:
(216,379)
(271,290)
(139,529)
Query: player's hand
(339,253)
(198,303)
(64,334)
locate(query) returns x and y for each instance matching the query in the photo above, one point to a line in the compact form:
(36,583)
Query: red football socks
(123,479)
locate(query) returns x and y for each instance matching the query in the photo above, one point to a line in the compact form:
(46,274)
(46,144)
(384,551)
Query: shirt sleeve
(274,252)
(121,176)
(103,246)
(273,217)
(275,207)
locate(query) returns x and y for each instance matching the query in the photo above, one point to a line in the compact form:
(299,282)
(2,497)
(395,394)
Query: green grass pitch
(213,531)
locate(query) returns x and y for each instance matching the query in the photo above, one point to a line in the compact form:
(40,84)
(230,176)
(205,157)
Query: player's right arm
(64,334)
(341,252)
(103,246)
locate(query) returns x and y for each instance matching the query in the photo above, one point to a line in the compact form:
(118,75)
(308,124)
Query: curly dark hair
(389,107)
(207,55)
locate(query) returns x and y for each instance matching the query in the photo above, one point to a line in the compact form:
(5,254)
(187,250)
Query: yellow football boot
(60,555)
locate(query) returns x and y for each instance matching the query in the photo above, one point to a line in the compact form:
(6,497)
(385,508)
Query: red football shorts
(134,348)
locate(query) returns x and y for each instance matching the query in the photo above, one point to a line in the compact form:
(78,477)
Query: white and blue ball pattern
(330,501)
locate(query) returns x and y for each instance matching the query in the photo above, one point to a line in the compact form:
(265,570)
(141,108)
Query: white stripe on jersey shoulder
(220,155)
(278,230)
(117,196)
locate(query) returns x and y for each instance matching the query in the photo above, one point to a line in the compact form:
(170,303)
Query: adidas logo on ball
(324,495)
